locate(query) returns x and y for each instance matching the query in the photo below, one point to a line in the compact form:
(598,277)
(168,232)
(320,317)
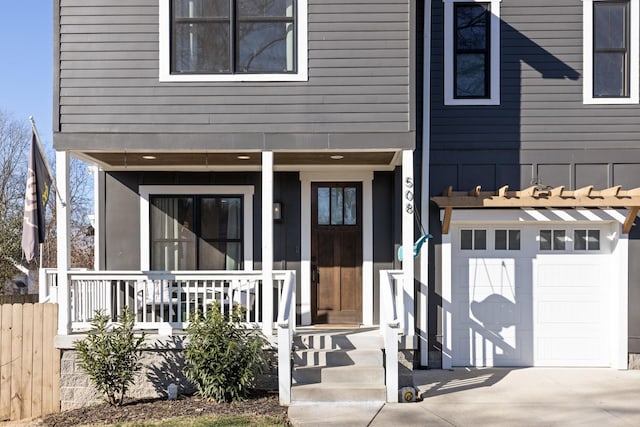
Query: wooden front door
(336,252)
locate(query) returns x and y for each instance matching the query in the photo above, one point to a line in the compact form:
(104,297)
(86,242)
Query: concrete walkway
(497,397)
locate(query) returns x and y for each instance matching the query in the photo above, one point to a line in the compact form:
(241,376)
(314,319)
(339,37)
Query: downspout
(423,302)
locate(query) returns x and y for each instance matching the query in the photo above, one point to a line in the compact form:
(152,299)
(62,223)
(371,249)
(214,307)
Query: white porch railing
(162,300)
(286,331)
(391,327)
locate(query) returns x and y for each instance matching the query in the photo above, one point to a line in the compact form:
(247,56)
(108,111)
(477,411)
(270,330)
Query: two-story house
(239,139)
(236,139)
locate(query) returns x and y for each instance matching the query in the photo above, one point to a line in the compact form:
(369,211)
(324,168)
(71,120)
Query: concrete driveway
(519,397)
(496,397)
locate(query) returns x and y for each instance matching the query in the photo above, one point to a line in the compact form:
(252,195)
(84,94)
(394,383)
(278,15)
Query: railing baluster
(158,299)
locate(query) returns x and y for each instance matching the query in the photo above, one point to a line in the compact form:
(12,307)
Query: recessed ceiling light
(149,157)
(337,157)
(244,157)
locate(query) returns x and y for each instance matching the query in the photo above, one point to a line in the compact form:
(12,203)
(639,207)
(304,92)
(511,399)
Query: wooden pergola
(540,197)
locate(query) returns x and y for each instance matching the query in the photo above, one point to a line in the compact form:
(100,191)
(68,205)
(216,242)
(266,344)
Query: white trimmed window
(233,40)
(473,239)
(472,52)
(552,240)
(611,37)
(586,240)
(196,227)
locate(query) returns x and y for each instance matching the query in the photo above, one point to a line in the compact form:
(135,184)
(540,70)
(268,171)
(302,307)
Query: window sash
(605,73)
(186,239)
(235,53)
(465,56)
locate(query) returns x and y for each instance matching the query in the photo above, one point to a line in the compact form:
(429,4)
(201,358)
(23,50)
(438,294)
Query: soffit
(204,159)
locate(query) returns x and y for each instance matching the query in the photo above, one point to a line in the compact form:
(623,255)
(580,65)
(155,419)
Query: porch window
(199,232)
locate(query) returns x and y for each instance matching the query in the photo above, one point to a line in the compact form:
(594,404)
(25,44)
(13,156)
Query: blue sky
(26,70)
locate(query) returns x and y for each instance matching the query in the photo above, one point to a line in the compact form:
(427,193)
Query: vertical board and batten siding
(29,361)
(359,74)
(541,129)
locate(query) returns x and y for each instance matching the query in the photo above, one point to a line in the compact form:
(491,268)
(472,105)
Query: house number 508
(408,195)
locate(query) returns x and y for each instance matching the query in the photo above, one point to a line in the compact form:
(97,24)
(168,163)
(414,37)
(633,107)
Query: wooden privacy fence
(29,361)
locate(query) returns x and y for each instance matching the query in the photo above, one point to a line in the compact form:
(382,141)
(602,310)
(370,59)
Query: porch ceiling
(541,197)
(239,159)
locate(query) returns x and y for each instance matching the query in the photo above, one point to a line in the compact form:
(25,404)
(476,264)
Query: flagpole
(46,163)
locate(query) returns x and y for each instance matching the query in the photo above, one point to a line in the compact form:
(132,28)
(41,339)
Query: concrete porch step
(345,340)
(338,393)
(353,374)
(327,357)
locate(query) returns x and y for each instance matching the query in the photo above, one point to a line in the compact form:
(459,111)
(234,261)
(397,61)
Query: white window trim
(494,64)
(244,190)
(165,54)
(634,72)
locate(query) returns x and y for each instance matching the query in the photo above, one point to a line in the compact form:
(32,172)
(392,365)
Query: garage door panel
(492,312)
(477,348)
(571,309)
(556,312)
(573,351)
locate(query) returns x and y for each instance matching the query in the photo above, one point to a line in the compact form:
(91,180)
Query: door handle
(314,274)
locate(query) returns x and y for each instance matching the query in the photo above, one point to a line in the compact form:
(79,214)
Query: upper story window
(233,40)
(472,52)
(611,51)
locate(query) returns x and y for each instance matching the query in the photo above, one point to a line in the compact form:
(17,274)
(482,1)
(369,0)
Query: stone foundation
(634,360)
(163,363)
(406,365)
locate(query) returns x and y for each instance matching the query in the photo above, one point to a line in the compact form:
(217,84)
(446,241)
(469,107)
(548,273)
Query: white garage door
(530,296)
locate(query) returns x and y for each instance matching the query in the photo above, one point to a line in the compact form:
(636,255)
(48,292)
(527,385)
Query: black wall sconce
(277,212)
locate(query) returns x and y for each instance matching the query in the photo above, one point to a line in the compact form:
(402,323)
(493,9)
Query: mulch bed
(259,403)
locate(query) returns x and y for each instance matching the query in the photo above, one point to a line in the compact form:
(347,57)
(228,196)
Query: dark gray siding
(541,131)
(360,69)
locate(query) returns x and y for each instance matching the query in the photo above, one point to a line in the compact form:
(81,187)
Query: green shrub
(110,355)
(223,357)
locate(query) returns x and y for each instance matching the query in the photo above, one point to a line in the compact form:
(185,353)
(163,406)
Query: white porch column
(267,242)
(408,263)
(447,356)
(620,303)
(62,220)
(98,218)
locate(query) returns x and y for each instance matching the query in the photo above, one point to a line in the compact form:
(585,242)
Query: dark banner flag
(35,201)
